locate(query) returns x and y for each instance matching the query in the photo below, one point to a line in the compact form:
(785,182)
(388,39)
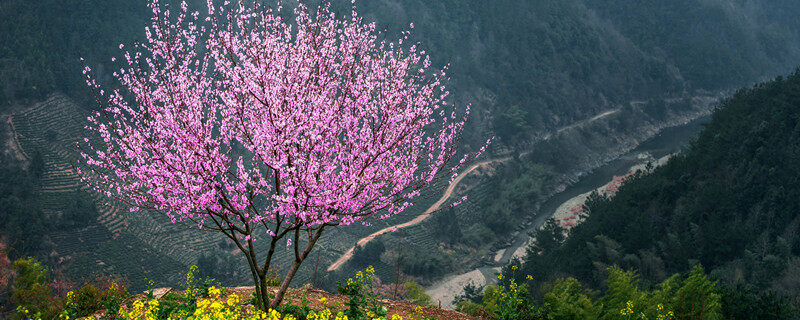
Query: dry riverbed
(567,215)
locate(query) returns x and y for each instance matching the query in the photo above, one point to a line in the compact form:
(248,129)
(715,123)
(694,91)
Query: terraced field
(142,246)
(146,246)
(137,246)
(45,129)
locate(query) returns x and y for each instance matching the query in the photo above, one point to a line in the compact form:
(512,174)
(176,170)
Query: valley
(655,150)
(575,95)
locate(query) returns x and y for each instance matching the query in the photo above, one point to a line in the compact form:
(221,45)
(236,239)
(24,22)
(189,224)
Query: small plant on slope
(364,302)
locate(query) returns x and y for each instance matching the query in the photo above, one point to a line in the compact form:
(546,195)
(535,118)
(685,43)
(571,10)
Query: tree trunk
(285,285)
(260,299)
(290,275)
(261,289)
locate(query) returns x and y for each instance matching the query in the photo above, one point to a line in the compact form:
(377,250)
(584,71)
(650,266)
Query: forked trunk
(299,258)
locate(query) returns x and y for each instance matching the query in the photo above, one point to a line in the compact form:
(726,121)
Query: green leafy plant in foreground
(364,302)
(509,300)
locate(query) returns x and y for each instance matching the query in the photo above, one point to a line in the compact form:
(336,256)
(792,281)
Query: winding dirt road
(349,254)
(447,193)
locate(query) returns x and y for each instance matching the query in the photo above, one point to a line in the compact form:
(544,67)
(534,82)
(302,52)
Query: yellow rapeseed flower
(233,300)
(628,310)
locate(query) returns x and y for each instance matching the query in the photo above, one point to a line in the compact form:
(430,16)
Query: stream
(668,141)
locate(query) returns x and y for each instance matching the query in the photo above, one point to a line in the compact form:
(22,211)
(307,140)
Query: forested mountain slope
(41,43)
(729,202)
(533,64)
(542,64)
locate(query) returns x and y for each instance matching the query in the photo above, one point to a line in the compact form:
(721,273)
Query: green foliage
(102,294)
(695,36)
(364,302)
(36,166)
(447,225)
(513,123)
(623,297)
(697,298)
(470,300)
(80,211)
(427,264)
(302,311)
(519,185)
(195,288)
(728,202)
(566,300)
(621,287)
(36,296)
(509,300)
(368,253)
(415,294)
(31,293)
(21,218)
(471,292)
(547,238)
(29,273)
(742,302)
(472,308)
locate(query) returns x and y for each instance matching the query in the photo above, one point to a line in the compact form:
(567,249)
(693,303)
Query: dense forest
(534,65)
(728,203)
(41,43)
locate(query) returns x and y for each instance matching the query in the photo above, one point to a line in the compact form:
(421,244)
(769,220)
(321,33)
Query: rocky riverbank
(590,137)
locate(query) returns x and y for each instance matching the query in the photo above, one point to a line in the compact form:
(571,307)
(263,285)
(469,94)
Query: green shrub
(415,294)
(31,292)
(104,294)
(565,299)
(368,253)
(509,300)
(364,302)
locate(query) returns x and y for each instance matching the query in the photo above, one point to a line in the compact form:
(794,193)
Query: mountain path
(448,192)
(361,242)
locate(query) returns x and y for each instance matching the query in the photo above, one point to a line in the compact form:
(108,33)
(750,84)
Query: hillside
(728,202)
(548,109)
(566,86)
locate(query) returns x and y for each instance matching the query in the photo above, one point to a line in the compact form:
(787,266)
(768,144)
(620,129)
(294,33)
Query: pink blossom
(279,125)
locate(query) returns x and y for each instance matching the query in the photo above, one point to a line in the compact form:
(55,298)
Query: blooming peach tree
(260,128)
